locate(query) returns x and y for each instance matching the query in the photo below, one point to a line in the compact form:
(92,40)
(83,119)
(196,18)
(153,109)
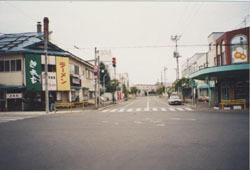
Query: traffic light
(114,61)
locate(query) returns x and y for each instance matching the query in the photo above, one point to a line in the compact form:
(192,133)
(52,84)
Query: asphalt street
(141,134)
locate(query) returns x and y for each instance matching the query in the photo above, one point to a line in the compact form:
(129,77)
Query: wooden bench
(68,105)
(234,102)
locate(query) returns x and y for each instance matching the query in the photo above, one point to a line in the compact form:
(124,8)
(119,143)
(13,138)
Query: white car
(174,100)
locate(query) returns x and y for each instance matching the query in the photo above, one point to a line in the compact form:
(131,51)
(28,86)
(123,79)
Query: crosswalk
(4,119)
(149,109)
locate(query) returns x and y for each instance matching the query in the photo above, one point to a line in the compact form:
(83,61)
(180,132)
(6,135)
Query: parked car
(174,100)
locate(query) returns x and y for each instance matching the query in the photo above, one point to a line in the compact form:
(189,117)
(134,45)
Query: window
(77,70)
(210,46)
(215,63)
(13,65)
(10,65)
(72,69)
(7,65)
(223,56)
(239,49)
(218,55)
(18,65)
(1,66)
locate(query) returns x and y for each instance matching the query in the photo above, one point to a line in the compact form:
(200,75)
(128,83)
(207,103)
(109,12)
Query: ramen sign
(239,49)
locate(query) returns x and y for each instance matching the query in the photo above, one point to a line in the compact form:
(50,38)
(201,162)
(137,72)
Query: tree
(181,84)
(112,87)
(104,72)
(125,91)
(133,90)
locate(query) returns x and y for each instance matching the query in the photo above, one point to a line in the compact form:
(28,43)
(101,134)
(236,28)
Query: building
(22,68)
(148,88)
(230,73)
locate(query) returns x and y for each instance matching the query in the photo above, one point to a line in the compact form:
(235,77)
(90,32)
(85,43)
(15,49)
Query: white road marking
(129,110)
(163,109)
(162,124)
(154,109)
(105,110)
(8,119)
(138,122)
(113,110)
(172,109)
(175,118)
(146,109)
(191,119)
(121,110)
(138,109)
(188,109)
(116,123)
(180,109)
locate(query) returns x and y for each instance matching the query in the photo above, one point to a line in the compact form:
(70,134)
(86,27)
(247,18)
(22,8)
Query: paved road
(128,137)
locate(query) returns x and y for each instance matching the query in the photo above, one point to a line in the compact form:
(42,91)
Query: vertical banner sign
(51,81)
(62,73)
(33,72)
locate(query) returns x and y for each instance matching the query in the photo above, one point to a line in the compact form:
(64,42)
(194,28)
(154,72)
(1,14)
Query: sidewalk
(74,110)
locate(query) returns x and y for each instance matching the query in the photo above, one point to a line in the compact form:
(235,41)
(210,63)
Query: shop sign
(239,49)
(51,81)
(75,80)
(62,73)
(14,95)
(50,60)
(33,72)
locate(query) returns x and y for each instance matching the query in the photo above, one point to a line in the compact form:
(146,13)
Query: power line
(25,14)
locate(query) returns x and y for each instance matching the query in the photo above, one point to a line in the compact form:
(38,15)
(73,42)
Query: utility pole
(165,68)
(99,93)
(46,34)
(95,78)
(175,38)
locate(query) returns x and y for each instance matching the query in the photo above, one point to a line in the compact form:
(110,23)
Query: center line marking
(138,109)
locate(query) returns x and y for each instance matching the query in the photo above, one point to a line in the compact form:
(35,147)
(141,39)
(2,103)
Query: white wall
(15,77)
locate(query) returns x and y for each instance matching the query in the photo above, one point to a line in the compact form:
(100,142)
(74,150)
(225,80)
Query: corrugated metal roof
(16,42)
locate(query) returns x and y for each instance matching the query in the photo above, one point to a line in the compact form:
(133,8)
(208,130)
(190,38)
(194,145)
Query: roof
(30,42)
(16,42)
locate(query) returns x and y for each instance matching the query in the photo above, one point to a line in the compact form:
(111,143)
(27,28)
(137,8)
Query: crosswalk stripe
(180,109)
(154,109)
(146,109)
(171,109)
(121,110)
(105,110)
(188,109)
(138,109)
(129,110)
(113,110)
(163,109)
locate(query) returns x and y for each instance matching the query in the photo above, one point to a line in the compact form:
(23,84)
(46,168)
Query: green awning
(235,70)
(12,87)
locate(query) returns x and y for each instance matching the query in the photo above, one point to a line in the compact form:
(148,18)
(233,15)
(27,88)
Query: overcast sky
(134,31)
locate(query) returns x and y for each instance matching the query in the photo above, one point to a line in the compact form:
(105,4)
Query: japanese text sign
(33,72)
(62,73)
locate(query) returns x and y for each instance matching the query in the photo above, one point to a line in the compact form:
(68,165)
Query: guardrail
(234,102)
(68,105)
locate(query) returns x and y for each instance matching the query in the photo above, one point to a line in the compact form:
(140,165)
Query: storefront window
(239,49)
(223,56)
(218,55)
